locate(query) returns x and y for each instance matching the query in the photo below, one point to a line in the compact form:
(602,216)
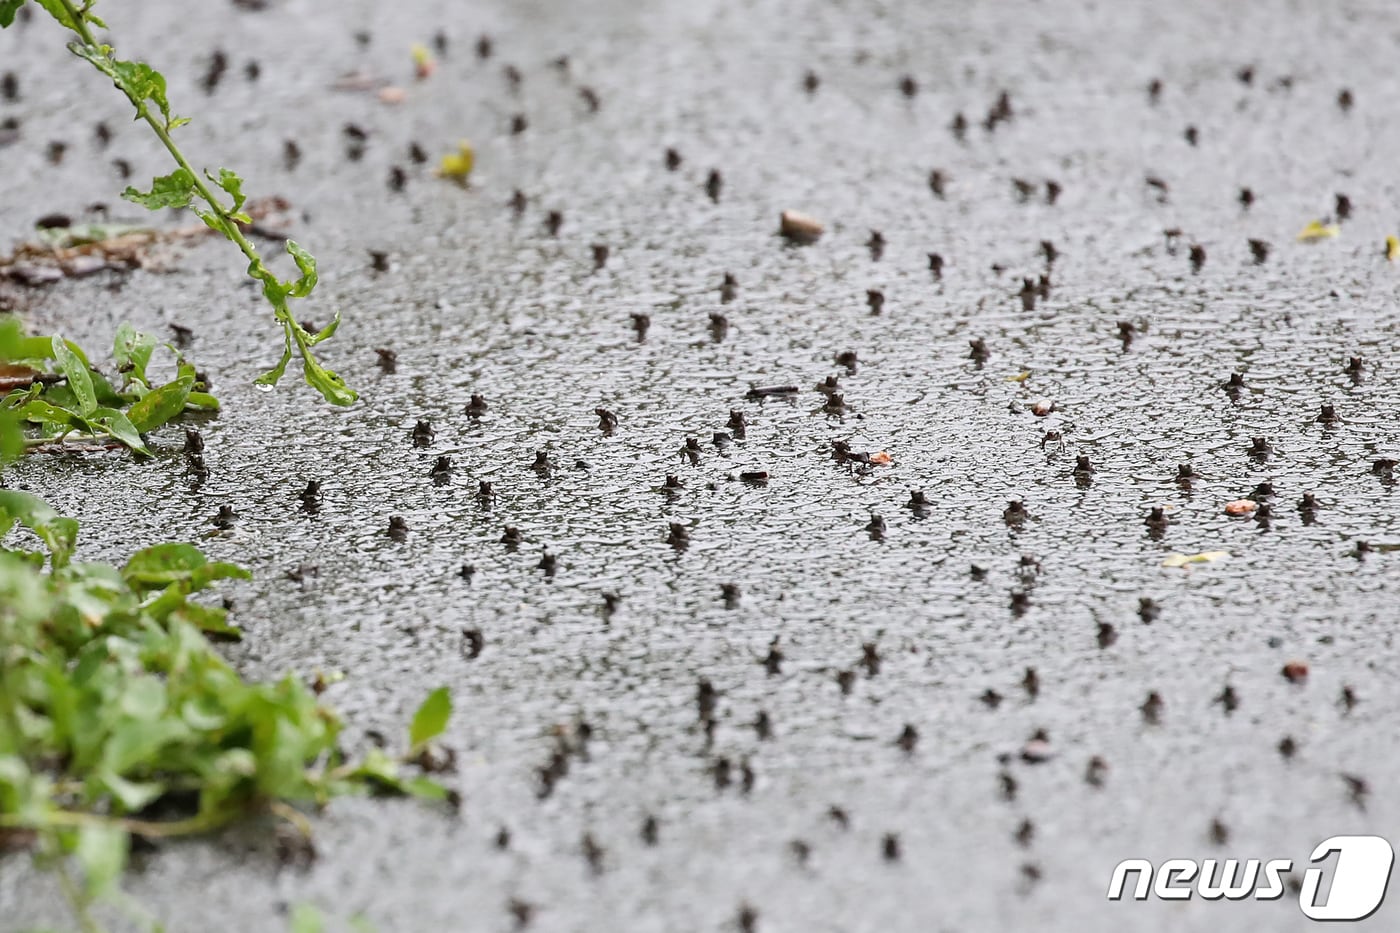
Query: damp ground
(820,819)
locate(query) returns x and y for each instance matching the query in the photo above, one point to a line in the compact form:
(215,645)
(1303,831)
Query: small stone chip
(800,228)
(1241,507)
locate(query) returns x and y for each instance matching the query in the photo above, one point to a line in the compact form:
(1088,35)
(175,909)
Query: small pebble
(800,228)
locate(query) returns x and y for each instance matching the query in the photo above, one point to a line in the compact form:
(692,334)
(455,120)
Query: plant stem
(74,819)
(78,899)
(227,226)
(292,816)
(32,442)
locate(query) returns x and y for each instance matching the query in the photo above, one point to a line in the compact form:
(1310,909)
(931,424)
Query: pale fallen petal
(1205,557)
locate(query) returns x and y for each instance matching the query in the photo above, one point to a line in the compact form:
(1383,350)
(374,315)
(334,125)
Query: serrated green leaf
(173,190)
(137,80)
(273,375)
(141,83)
(326,332)
(306,263)
(212,219)
(431,717)
(231,183)
(332,388)
(75,370)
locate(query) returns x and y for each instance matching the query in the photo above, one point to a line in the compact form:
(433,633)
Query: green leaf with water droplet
(132,352)
(75,370)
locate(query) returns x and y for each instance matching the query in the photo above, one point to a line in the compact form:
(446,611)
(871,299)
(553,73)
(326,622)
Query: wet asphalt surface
(818,820)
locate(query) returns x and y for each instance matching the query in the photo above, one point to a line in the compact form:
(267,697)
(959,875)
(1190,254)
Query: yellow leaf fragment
(1392,248)
(423,63)
(1205,557)
(1317,230)
(458,165)
(1019,377)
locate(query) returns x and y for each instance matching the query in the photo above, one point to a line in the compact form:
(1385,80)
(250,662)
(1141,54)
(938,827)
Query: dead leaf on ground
(359,81)
(17,376)
(79,250)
